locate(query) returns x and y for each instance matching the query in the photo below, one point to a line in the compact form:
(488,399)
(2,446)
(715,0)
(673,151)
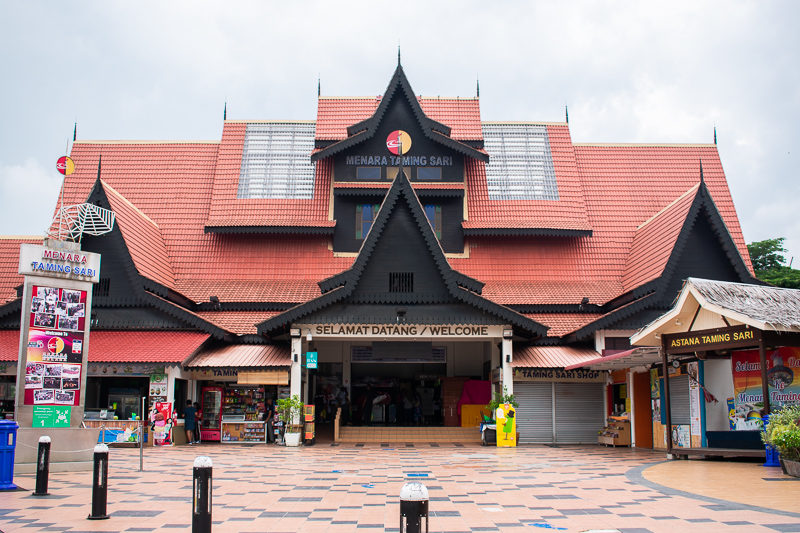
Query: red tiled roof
(238,322)
(268,290)
(9,266)
(242,356)
(551,356)
(143,346)
(171,183)
(568,212)
(9,345)
(335,115)
(227,209)
(654,241)
(515,291)
(561,324)
(143,239)
(628,184)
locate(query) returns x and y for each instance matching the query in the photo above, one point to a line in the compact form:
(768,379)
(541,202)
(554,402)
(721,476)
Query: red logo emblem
(398,140)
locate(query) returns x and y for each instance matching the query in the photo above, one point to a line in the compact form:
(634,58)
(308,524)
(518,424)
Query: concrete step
(379,434)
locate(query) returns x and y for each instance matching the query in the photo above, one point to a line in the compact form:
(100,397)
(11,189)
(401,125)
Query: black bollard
(413,507)
(201,495)
(100,483)
(42,466)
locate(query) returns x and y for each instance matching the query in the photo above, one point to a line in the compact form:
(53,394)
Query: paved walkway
(472,488)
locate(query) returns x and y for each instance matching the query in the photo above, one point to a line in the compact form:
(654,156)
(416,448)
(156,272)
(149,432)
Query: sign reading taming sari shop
(783,376)
(405,330)
(579,375)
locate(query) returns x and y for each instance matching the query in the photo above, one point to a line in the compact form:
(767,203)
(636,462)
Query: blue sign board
(311,359)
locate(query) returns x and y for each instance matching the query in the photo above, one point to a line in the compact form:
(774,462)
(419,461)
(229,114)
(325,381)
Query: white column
(295,379)
(508,371)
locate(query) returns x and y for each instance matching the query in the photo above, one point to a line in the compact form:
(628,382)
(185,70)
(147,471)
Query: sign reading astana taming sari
(711,339)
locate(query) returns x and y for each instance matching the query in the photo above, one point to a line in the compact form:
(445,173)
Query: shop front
(236,384)
(401,376)
(731,354)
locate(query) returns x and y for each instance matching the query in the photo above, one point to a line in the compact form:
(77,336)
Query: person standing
(189,421)
(198,417)
(270,415)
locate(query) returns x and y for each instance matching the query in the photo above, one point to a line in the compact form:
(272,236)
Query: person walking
(189,421)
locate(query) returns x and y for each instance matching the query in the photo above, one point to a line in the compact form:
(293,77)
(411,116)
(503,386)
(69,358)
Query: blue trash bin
(772,454)
(8,443)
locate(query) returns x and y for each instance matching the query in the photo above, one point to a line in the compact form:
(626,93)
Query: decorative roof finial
(398,55)
(75,132)
(702,180)
(319,86)
(566,112)
(99,164)
(225,111)
(477,87)
(715,135)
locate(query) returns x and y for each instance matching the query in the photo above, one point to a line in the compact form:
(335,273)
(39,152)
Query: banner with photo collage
(55,346)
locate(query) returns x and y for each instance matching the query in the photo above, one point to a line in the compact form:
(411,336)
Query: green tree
(768,262)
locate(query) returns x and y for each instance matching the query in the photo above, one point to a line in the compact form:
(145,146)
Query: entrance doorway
(390,394)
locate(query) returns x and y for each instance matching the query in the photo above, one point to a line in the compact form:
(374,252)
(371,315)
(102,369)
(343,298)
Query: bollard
(42,466)
(100,483)
(413,507)
(201,495)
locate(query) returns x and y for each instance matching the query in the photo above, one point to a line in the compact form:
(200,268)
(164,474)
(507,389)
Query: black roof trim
(527,232)
(612,317)
(376,191)
(270,230)
(184,315)
(342,285)
(436,131)
(11,308)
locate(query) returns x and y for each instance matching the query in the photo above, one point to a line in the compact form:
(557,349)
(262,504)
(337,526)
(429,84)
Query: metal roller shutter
(679,400)
(535,412)
(579,412)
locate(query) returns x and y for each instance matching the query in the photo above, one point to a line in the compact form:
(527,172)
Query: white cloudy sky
(629,71)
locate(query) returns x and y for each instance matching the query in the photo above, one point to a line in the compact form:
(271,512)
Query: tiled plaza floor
(472,488)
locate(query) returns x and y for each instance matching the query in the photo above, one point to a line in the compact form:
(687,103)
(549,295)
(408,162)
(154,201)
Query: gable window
(434,214)
(401,282)
(368,173)
(429,173)
(365,216)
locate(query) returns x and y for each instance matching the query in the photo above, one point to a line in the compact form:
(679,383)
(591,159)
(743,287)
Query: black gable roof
(365,130)
(460,288)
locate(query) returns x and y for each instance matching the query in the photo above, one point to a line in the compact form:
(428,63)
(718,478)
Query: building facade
(420,255)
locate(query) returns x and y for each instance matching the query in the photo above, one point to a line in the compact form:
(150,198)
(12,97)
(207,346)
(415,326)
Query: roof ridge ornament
(702,179)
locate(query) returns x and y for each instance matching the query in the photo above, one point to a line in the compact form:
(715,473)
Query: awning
(552,357)
(143,346)
(618,361)
(241,356)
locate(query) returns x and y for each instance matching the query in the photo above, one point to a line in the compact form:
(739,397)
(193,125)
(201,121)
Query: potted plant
(783,433)
(499,399)
(289,412)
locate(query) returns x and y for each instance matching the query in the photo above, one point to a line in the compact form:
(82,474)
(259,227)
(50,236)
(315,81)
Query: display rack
(244,431)
(616,433)
(244,401)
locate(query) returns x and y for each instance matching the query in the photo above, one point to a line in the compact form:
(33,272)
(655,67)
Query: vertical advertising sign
(54,333)
(783,377)
(53,370)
